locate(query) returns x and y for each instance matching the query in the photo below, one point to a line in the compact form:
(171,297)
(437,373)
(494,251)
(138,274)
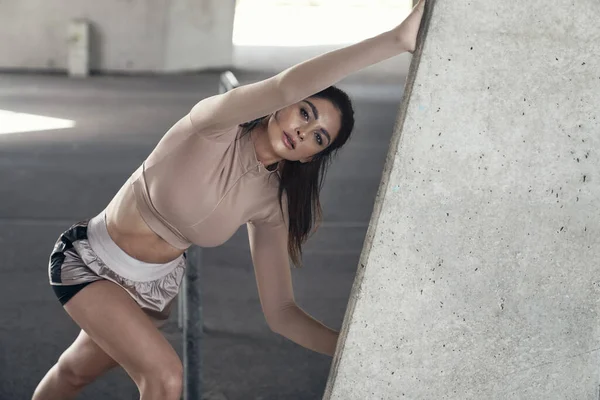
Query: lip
(288,141)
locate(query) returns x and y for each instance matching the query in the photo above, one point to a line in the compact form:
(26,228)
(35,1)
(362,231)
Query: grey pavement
(51,179)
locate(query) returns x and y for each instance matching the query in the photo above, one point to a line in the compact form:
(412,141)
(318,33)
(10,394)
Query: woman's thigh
(122,330)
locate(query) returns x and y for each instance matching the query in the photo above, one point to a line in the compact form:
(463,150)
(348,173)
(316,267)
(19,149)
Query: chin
(284,153)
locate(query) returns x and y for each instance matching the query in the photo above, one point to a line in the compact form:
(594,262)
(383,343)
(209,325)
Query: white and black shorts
(85,253)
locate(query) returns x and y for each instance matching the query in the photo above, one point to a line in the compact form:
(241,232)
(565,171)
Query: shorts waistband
(118,260)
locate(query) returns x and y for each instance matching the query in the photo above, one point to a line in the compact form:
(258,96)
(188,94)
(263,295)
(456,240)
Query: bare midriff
(131,233)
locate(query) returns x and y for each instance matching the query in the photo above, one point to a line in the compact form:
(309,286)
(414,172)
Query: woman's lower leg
(55,385)
(77,367)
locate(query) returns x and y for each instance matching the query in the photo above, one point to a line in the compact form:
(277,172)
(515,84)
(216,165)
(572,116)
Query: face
(304,129)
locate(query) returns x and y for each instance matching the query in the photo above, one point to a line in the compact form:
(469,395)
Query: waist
(118,260)
(150,214)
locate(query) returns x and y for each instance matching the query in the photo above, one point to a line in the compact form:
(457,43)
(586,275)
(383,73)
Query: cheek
(275,123)
(312,149)
(288,117)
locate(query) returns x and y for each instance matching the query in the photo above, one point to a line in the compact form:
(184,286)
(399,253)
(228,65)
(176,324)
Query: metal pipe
(190,304)
(192,326)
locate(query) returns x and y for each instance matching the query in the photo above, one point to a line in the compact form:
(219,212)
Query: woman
(117,273)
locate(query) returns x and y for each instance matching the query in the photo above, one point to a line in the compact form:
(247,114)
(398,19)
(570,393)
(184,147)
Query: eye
(319,139)
(304,113)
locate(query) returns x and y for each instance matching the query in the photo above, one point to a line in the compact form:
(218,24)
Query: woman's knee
(164,382)
(82,362)
(69,373)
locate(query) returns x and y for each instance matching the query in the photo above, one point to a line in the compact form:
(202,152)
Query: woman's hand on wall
(409,28)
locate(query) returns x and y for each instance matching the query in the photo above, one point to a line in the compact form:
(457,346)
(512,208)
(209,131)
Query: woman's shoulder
(227,134)
(182,132)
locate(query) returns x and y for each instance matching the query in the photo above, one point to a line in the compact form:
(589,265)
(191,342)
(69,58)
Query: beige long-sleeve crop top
(199,187)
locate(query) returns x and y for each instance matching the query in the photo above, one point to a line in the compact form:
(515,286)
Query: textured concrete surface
(51,179)
(480,275)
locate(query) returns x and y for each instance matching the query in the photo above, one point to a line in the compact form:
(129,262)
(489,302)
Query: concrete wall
(127,36)
(480,273)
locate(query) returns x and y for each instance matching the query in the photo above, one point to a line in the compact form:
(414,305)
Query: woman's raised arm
(296,83)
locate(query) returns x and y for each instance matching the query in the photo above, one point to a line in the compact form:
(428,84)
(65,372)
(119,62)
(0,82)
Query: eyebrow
(316,113)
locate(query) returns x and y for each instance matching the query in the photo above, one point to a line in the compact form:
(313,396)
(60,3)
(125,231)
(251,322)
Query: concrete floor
(51,179)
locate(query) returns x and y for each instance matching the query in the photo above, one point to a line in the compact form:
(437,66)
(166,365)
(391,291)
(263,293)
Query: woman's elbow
(278,320)
(275,325)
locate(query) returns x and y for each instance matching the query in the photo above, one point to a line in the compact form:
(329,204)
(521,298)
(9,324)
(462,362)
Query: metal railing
(190,300)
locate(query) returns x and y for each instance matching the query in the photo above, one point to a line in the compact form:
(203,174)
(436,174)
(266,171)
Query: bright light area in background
(314,22)
(15,122)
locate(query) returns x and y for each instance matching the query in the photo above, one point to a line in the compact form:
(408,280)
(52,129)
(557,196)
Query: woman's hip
(84,253)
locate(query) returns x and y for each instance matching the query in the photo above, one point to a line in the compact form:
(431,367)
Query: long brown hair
(302,182)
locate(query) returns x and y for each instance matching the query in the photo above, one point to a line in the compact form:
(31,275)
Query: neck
(262,146)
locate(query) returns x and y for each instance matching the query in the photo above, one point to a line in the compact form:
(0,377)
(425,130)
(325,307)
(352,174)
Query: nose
(300,134)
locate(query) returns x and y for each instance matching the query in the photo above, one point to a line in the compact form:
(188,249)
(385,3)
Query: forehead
(329,116)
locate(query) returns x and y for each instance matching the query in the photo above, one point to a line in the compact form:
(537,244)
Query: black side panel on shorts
(76,233)
(56,260)
(64,242)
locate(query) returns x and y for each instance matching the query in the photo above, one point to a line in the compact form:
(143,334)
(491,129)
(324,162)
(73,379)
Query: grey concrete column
(480,273)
